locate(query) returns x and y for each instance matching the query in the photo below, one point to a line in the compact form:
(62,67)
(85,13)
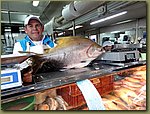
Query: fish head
(94,50)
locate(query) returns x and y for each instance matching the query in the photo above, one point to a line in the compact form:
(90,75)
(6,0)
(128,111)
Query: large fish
(70,52)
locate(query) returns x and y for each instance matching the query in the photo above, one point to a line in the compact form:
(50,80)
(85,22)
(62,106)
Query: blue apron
(26,40)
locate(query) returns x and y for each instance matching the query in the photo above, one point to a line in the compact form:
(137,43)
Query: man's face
(108,48)
(34,30)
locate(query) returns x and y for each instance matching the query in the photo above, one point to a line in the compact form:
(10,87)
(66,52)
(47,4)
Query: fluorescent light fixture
(22,30)
(123,22)
(76,27)
(59,34)
(4,11)
(20,22)
(7,30)
(35,3)
(34,16)
(109,17)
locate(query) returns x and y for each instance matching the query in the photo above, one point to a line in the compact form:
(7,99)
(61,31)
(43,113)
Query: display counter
(63,77)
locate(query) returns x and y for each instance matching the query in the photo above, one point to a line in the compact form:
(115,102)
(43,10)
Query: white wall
(126,26)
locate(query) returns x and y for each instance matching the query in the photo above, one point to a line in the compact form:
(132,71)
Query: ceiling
(135,10)
(14,13)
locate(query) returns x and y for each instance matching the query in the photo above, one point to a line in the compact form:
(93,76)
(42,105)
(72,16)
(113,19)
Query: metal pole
(136,31)
(73,23)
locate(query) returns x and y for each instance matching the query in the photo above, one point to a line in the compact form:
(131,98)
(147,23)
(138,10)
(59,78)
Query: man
(34,41)
(107,45)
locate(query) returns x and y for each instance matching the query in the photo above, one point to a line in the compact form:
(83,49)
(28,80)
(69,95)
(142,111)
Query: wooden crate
(73,96)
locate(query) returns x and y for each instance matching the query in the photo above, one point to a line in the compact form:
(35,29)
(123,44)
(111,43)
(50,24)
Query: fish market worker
(107,46)
(34,41)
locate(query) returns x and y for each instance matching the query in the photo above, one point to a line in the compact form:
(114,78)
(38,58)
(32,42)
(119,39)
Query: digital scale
(126,56)
(10,74)
(10,78)
(121,54)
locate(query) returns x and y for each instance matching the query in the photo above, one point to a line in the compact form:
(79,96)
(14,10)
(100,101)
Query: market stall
(81,56)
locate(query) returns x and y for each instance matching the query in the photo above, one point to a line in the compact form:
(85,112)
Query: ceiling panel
(53,9)
(16,12)
(23,7)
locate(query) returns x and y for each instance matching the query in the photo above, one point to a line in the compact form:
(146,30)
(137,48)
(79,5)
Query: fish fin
(13,59)
(31,53)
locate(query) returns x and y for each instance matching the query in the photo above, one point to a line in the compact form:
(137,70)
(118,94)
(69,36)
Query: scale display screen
(130,55)
(6,79)
(10,78)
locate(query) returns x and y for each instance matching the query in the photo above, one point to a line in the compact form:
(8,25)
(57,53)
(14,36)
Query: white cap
(26,22)
(108,43)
